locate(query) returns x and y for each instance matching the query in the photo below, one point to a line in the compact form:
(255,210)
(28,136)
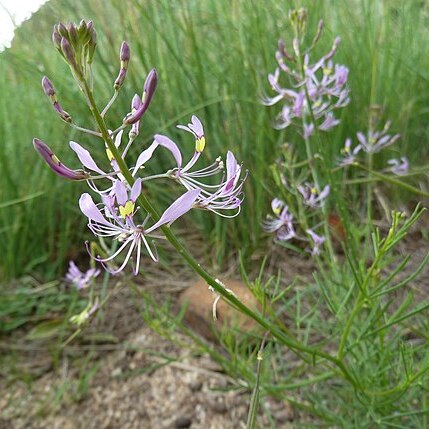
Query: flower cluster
(281,221)
(81,280)
(119,215)
(314,91)
(373,142)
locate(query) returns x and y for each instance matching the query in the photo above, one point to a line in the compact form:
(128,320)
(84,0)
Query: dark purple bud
(62,29)
(68,52)
(136,102)
(331,53)
(283,52)
(56,38)
(48,88)
(124,53)
(62,113)
(124,56)
(135,105)
(148,91)
(73,35)
(56,165)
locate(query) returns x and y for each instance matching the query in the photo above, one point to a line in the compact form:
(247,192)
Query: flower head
(317,242)
(281,222)
(118,221)
(312,197)
(79,279)
(399,166)
(375,141)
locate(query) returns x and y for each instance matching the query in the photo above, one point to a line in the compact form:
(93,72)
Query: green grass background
(212,57)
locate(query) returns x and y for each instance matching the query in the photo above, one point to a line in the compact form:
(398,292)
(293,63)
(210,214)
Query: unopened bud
(73,35)
(56,38)
(68,53)
(124,56)
(49,90)
(318,33)
(331,53)
(92,42)
(283,52)
(82,29)
(135,105)
(56,165)
(149,89)
(62,29)
(124,53)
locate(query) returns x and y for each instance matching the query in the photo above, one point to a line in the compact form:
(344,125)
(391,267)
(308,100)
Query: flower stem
(210,280)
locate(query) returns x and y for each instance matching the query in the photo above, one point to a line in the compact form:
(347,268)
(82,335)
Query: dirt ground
(140,380)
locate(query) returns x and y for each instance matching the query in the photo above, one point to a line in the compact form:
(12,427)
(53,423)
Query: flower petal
(145,156)
(121,193)
(85,157)
(182,205)
(136,190)
(171,146)
(90,210)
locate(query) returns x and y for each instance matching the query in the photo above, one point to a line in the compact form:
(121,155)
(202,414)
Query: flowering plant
(118,214)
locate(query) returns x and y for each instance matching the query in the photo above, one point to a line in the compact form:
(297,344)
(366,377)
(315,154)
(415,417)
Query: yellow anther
(314,191)
(126,210)
(327,71)
(200,144)
(276,210)
(55,159)
(109,154)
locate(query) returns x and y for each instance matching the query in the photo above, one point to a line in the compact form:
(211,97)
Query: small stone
(199,313)
(182,422)
(196,385)
(219,406)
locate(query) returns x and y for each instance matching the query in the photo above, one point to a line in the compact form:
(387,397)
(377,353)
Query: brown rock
(199,313)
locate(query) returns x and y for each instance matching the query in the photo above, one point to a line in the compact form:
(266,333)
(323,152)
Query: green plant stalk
(393,181)
(254,400)
(184,253)
(310,157)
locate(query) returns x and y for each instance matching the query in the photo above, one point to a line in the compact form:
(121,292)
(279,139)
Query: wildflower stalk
(393,181)
(193,263)
(310,156)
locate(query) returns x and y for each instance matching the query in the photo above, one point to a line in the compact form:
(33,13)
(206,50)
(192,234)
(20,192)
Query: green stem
(393,181)
(183,252)
(310,157)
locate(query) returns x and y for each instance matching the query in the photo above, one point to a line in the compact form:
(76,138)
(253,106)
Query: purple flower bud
(90,26)
(149,89)
(48,88)
(124,56)
(283,52)
(73,35)
(124,53)
(318,33)
(68,53)
(331,53)
(56,165)
(135,105)
(62,29)
(56,38)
